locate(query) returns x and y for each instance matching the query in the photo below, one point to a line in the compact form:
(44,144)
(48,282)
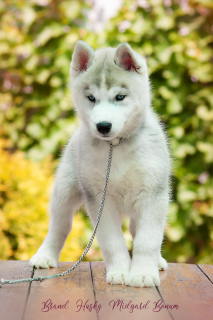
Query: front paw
(117,276)
(44,261)
(143,279)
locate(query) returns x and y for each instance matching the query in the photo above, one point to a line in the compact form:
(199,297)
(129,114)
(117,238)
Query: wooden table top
(186,292)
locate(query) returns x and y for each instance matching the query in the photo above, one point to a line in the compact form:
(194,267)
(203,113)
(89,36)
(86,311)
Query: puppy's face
(110,89)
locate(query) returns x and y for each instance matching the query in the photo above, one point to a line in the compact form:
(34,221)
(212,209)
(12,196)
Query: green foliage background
(37,38)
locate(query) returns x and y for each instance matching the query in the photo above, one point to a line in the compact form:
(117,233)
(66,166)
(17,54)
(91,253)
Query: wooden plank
(183,285)
(13,296)
(208,270)
(65,293)
(186,286)
(119,296)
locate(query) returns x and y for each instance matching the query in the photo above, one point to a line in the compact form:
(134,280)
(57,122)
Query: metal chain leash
(3,281)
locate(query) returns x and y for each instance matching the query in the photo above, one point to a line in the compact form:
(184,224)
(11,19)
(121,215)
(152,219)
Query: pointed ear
(82,57)
(125,58)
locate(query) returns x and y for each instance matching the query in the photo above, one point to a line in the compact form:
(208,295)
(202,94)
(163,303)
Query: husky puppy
(111,93)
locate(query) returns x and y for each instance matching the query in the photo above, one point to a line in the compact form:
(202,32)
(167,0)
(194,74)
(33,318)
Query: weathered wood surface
(68,289)
(186,292)
(207,270)
(13,298)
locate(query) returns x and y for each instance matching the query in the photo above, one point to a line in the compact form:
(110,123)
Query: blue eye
(91,98)
(120,97)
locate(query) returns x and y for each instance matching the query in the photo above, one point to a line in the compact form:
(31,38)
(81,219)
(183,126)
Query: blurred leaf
(52,31)
(174,105)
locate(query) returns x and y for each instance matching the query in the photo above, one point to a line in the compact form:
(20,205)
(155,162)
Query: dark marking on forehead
(123,85)
(112,78)
(94,75)
(109,77)
(104,72)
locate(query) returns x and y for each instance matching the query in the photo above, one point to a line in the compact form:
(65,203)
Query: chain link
(3,281)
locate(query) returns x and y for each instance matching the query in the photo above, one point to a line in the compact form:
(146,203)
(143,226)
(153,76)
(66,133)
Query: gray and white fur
(111,94)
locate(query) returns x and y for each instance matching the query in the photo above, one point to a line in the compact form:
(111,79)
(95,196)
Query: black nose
(104,127)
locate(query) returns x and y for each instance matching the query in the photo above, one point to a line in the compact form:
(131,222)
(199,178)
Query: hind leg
(111,241)
(162,265)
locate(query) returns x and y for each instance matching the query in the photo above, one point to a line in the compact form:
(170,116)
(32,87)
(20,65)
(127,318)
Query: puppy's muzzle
(104,127)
